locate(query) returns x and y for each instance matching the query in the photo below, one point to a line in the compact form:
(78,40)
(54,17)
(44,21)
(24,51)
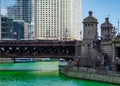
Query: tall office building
(18,29)
(6,28)
(0,19)
(57,19)
(0,27)
(20,10)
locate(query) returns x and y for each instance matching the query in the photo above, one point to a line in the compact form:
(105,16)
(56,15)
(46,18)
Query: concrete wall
(78,49)
(107,48)
(91,76)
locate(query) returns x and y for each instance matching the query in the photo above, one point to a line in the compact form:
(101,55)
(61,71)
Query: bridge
(37,49)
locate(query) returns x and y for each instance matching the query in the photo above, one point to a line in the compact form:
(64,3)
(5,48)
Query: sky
(5,4)
(102,9)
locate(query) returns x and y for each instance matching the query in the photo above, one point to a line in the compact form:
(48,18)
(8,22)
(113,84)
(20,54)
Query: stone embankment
(4,60)
(90,74)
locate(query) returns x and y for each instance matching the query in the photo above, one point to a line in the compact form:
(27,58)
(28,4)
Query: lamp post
(118,25)
(78,62)
(108,37)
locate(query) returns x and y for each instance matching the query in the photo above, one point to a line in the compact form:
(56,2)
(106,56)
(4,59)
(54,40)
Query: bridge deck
(37,48)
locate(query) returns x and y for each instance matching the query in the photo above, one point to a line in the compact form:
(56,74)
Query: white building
(57,19)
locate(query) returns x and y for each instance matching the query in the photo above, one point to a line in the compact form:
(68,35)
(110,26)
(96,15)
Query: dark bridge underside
(39,49)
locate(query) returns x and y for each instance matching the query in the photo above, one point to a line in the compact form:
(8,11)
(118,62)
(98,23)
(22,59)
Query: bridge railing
(37,48)
(35,42)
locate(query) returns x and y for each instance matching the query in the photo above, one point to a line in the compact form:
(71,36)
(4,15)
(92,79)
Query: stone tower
(106,30)
(90,30)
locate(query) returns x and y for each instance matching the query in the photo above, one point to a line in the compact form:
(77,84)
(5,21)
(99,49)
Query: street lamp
(79,61)
(108,35)
(118,27)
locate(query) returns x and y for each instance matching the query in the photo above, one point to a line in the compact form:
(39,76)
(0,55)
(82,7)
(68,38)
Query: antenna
(108,16)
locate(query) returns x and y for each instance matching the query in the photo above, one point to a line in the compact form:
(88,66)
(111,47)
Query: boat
(24,60)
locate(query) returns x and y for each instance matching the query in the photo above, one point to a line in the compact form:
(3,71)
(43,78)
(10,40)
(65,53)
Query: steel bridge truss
(28,49)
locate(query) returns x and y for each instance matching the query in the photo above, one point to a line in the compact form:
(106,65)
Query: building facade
(21,10)
(6,28)
(0,20)
(0,26)
(30,31)
(18,29)
(22,30)
(26,31)
(57,19)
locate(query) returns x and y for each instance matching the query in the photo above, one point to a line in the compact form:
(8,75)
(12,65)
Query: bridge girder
(37,49)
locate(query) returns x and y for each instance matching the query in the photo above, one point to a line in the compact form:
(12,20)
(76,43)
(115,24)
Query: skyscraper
(18,29)
(57,19)
(6,28)
(21,10)
(0,19)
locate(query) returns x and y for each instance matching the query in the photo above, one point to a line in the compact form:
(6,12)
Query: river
(39,74)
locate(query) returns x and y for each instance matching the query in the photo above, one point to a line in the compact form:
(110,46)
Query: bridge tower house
(106,30)
(89,35)
(106,42)
(89,30)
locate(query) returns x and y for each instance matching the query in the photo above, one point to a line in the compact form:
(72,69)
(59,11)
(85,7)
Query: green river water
(39,74)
